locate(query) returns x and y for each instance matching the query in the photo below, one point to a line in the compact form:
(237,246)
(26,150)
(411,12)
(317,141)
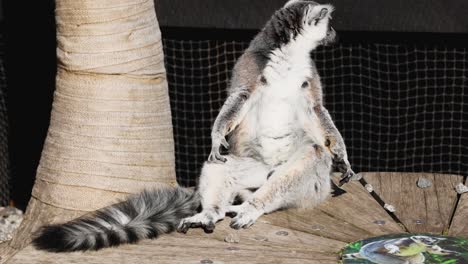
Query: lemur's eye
(305,84)
(316,21)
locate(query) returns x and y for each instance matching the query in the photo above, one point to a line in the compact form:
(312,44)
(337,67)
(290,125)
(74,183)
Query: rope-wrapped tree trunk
(110,132)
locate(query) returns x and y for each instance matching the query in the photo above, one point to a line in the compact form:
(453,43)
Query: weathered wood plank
(421,210)
(358,208)
(318,223)
(459,226)
(260,244)
(349,217)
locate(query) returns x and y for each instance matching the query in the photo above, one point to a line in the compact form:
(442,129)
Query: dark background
(30,67)
(446,16)
(29,34)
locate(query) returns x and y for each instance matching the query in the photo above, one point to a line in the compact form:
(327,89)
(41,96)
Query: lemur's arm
(229,117)
(334,140)
(246,75)
(335,143)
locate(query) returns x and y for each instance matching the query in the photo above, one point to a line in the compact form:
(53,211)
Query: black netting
(4,160)
(400,107)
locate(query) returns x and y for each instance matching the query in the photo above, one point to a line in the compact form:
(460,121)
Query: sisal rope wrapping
(110,131)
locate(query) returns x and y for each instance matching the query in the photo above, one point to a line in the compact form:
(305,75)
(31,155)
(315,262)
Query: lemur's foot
(206,220)
(246,215)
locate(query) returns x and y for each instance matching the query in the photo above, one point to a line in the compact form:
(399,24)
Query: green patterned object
(407,249)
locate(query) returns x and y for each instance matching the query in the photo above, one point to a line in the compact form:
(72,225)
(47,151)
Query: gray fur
(297,154)
(336,143)
(276,125)
(144,215)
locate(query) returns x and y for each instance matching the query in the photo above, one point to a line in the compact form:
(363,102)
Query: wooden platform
(423,210)
(459,226)
(314,236)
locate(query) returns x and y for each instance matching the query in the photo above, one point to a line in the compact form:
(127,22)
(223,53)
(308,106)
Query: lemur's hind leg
(303,181)
(219,184)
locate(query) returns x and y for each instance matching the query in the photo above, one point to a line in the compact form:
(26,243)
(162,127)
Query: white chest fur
(281,115)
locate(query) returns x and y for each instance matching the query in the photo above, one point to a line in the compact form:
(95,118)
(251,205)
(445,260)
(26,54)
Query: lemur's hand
(340,158)
(342,165)
(346,177)
(217,139)
(337,148)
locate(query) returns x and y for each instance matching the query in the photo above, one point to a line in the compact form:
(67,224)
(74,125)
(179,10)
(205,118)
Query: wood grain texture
(349,217)
(421,210)
(459,226)
(260,244)
(294,236)
(318,223)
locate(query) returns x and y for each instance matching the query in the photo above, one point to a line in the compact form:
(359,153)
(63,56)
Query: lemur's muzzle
(331,37)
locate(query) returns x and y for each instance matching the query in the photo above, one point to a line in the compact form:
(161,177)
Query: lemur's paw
(341,163)
(242,222)
(203,220)
(346,177)
(246,215)
(218,140)
(184,226)
(216,157)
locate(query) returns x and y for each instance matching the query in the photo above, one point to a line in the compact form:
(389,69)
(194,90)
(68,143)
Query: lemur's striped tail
(145,215)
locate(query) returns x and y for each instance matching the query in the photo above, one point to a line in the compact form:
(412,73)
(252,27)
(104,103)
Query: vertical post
(110,132)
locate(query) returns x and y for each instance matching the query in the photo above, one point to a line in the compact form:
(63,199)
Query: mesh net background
(4,158)
(399,107)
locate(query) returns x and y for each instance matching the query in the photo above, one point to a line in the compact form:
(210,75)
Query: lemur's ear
(314,14)
(323,13)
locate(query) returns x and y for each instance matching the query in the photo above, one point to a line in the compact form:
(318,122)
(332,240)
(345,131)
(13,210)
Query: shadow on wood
(349,217)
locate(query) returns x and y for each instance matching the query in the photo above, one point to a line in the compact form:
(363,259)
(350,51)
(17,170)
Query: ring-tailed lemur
(282,143)
(406,250)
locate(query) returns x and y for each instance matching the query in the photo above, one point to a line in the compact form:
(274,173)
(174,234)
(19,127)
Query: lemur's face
(315,24)
(331,37)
